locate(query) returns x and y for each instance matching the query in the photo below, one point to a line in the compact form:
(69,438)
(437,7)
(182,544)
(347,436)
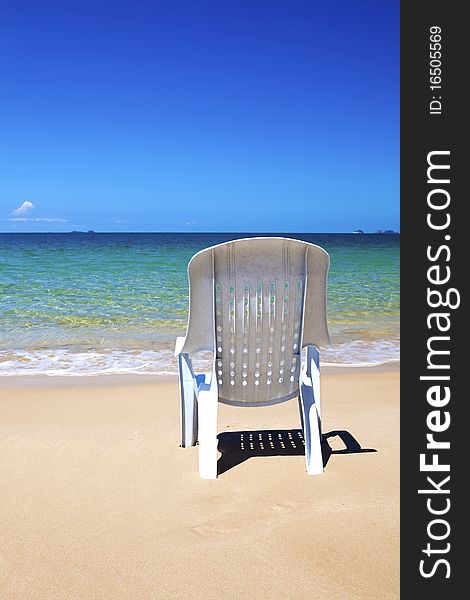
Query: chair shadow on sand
(238,446)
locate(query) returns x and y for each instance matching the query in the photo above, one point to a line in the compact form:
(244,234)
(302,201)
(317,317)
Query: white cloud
(22,209)
(20,212)
(38,220)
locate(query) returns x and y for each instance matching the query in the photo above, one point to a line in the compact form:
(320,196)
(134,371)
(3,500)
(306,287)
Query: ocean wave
(75,362)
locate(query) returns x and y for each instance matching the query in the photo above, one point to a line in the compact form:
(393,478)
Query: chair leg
(207,408)
(311,430)
(189,417)
(301,414)
(188,403)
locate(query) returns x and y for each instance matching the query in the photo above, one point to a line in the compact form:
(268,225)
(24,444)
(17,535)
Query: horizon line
(91,232)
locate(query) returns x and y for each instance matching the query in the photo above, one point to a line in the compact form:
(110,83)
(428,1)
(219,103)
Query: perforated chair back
(255,303)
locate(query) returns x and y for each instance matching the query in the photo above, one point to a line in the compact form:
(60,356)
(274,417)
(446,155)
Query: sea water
(85,304)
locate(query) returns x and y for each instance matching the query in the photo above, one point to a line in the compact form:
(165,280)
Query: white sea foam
(360,353)
(156,362)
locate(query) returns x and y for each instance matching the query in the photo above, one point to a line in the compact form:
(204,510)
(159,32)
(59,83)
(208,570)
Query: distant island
(84,232)
(387,231)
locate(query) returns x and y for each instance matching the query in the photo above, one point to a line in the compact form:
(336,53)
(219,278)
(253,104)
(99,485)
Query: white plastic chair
(256,303)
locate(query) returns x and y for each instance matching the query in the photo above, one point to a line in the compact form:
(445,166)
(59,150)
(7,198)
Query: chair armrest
(179,345)
(201,381)
(312,361)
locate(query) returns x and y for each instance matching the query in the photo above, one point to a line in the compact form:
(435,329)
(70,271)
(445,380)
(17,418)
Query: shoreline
(113,379)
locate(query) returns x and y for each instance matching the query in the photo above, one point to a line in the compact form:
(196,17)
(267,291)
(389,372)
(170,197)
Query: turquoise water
(99,303)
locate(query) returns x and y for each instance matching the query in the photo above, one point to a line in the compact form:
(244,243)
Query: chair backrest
(255,303)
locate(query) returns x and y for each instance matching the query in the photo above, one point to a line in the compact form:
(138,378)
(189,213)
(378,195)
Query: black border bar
(434,270)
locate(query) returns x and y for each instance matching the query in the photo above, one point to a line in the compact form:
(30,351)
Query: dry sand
(98,501)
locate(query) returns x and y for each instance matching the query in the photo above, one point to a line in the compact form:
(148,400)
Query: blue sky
(199,116)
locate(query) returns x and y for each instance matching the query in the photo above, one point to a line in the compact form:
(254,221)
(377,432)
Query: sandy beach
(98,501)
